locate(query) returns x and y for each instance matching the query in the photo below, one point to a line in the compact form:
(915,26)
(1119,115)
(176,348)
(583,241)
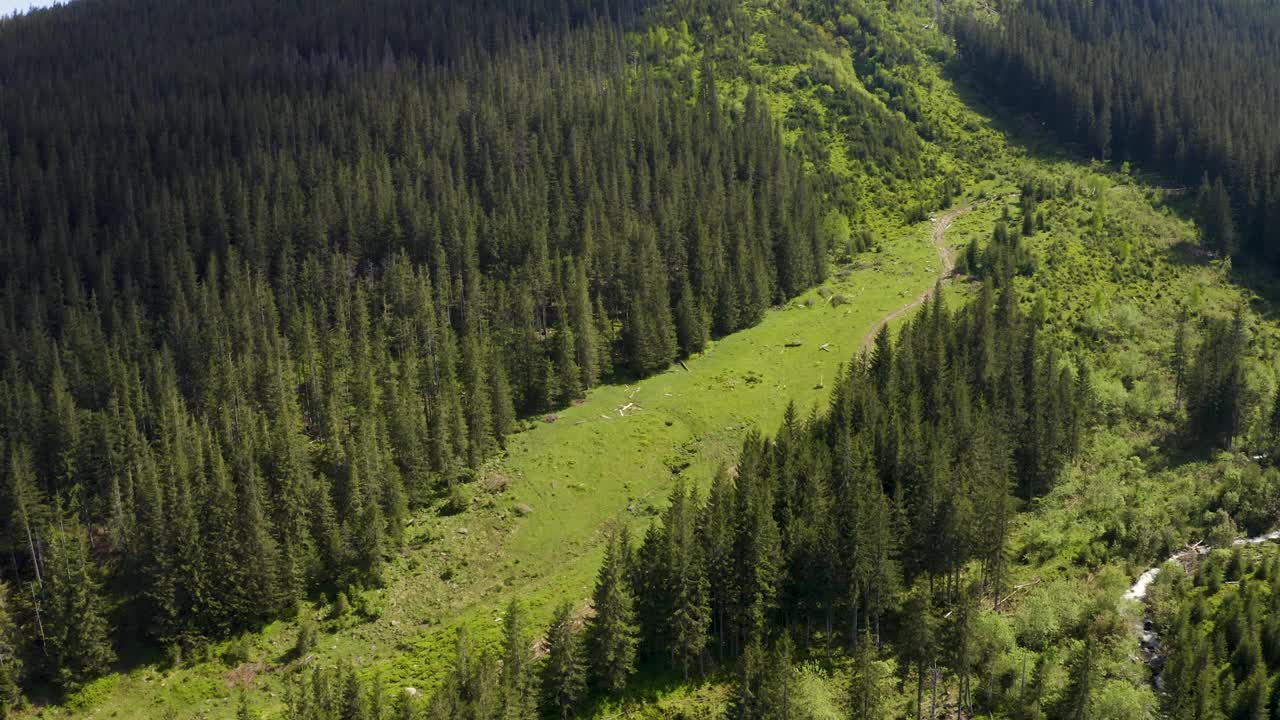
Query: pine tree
(255,592)
(611,633)
(1217,229)
(517,699)
(352,702)
(564,669)
(78,634)
(716,537)
(919,643)
(584,328)
(568,373)
(1083,673)
(502,407)
(757,547)
(866,689)
(1179,356)
(648,329)
(690,331)
(11,665)
(689,609)
(471,690)
(1216,399)
(604,338)
(765,687)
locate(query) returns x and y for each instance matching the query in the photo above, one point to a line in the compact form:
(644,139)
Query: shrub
(341,606)
(308,637)
(238,652)
(458,500)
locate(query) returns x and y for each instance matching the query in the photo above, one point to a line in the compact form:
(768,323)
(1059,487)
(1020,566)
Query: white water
(1139,589)
(1148,640)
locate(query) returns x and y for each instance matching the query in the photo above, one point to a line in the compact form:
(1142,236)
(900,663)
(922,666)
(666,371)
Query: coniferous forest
(264,295)
(813,537)
(725,359)
(1188,88)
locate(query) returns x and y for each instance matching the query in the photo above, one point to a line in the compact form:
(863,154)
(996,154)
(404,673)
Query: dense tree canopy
(264,293)
(1192,88)
(851,529)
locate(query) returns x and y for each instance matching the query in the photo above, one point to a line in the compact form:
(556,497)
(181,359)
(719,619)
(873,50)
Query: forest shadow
(1025,133)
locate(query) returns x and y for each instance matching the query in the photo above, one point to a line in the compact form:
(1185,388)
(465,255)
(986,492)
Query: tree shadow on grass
(1028,134)
(649,687)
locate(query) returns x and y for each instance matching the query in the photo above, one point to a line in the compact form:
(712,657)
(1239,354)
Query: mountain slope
(872,102)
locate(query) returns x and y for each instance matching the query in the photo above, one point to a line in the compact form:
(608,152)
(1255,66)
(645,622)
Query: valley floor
(535,526)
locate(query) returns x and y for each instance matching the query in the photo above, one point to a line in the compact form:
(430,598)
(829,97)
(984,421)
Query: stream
(1148,640)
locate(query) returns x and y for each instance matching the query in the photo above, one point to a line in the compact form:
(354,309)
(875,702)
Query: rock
(463,531)
(523,509)
(412,691)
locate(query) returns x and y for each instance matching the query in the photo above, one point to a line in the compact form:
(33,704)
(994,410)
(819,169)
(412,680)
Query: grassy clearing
(538,512)
(536,520)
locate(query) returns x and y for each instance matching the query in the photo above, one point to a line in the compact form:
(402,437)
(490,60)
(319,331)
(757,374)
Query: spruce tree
(11,665)
(716,537)
(689,610)
(564,669)
(690,333)
(648,328)
(765,687)
(518,701)
(568,373)
(501,405)
(611,634)
(1083,677)
(866,688)
(76,626)
(1178,357)
(582,321)
(757,547)
(255,591)
(919,642)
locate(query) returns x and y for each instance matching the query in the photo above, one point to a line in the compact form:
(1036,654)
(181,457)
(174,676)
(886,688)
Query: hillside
(448,311)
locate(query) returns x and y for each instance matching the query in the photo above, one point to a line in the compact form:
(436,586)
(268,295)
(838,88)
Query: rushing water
(1147,637)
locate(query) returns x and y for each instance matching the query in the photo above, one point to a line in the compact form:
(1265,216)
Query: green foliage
(457,501)
(341,606)
(1220,637)
(611,634)
(276,335)
(11,665)
(869,687)
(1216,398)
(308,637)
(563,674)
(1095,90)
(766,682)
(77,641)
(472,690)
(237,652)
(519,698)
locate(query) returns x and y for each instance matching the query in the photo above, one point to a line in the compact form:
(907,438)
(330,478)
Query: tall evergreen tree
(611,634)
(11,665)
(866,688)
(78,634)
(518,698)
(564,669)
(765,687)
